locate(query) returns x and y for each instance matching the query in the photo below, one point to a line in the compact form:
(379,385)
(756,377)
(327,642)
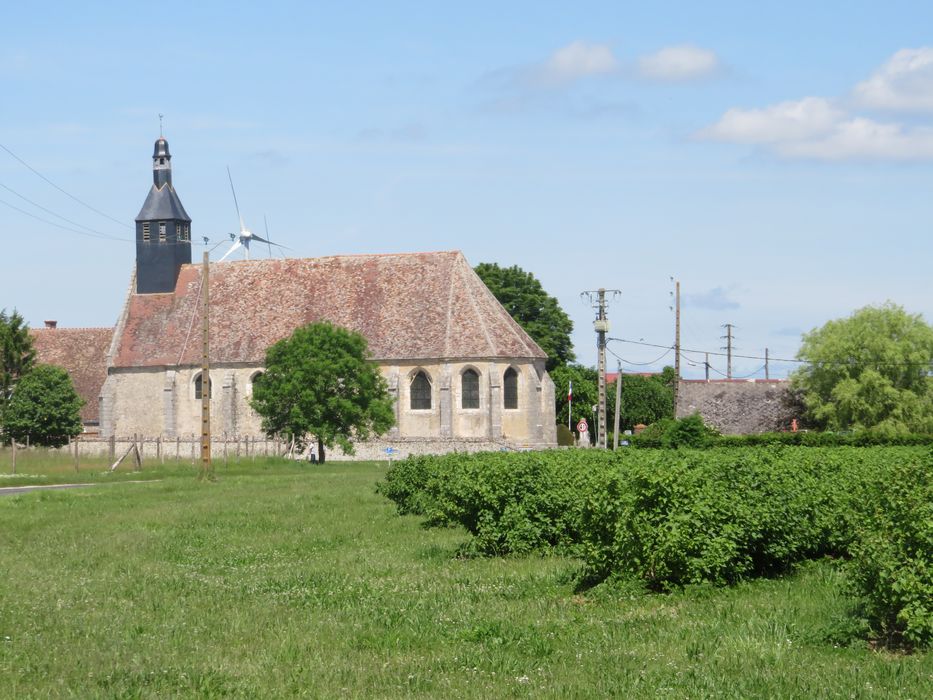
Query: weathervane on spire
(160,124)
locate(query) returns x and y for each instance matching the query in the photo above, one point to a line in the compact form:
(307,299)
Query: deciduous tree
(16,352)
(870,370)
(534,309)
(44,407)
(321,383)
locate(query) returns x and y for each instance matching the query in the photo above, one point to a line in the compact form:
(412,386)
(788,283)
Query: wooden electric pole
(207,468)
(615,432)
(767,369)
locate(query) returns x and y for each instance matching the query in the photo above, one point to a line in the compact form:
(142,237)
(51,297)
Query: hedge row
(691,432)
(720,515)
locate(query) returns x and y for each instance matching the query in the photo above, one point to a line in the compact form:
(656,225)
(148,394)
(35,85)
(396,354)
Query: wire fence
(97,452)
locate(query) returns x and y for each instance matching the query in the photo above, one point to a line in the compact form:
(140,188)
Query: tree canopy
(16,352)
(869,371)
(44,407)
(534,309)
(320,383)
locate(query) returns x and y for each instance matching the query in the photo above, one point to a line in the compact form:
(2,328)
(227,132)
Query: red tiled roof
(83,354)
(410,306)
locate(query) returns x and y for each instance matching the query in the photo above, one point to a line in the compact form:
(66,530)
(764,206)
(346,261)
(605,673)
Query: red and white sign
(582,427)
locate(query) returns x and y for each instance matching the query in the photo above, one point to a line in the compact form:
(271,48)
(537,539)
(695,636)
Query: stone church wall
(158,402)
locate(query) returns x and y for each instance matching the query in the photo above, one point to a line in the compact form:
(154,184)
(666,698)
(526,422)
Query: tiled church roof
(83,353)
(415,306)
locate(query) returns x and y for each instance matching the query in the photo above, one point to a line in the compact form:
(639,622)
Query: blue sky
(775,157)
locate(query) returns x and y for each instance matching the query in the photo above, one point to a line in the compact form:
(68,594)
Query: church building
(463,373)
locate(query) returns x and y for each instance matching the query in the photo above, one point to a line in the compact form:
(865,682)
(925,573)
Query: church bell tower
(163,230)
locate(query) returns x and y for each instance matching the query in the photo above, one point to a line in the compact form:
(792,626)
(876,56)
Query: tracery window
(198,387)
(510,388)
(420,392)
(469,389)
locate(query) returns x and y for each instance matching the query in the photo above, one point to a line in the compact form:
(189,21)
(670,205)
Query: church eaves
(409,307)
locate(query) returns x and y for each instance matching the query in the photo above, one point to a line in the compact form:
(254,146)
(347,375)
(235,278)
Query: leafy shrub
(564,436)
(653,437)
(673,433)
(720,516)
(892,557)
(669,518)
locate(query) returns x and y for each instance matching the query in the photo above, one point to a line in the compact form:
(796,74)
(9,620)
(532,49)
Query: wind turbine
(245,236)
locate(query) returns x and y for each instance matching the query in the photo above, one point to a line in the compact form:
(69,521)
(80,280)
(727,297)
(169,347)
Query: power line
(640,364)
(66,228)
(848,363)
(67,194)
(59,216)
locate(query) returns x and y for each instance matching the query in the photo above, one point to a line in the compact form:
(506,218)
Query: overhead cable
(64,192)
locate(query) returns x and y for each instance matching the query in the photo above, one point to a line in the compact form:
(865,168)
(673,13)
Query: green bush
(673,433)
(719,516)
(669,518)
(657,436)
(564,436)
(892,557)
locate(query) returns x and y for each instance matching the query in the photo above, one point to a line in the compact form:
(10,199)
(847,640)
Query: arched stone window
(469,389)
(420,392)
(510,388)
(198,387)
(255,379)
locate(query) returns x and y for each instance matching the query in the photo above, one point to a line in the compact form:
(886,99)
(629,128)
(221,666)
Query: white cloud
(678,63)
(818,128)
(786,121)
(904,83)
(865,139)
(578,60)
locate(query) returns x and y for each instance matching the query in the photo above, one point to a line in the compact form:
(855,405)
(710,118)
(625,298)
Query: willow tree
(871,370)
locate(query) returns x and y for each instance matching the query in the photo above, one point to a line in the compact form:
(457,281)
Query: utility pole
(207,468)
(728,348)
(706,367)
(615,439)
(677,344)
(767,372)
(601,325)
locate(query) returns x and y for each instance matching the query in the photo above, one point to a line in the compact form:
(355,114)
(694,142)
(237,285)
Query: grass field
(284,580)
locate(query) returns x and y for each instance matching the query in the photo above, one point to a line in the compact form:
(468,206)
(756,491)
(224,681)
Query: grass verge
(283,580)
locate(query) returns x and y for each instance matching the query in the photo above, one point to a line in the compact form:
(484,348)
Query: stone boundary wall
(738,407)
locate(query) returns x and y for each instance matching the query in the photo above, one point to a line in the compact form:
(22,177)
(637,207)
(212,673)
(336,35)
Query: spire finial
(160,124)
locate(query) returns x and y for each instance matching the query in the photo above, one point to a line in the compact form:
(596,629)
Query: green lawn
(285,580)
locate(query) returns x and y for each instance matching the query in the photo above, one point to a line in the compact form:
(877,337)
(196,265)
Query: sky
(774,157)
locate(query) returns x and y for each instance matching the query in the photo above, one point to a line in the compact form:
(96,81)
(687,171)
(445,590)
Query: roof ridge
(341,255)
(75,328)
(479,316)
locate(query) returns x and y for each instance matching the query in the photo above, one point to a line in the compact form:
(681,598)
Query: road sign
(582,426)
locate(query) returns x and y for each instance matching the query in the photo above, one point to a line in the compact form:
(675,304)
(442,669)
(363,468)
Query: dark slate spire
(163,229)
(161,164)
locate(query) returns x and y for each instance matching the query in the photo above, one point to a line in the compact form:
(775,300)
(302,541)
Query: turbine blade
(235,203)
(236,244)
(266,224)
